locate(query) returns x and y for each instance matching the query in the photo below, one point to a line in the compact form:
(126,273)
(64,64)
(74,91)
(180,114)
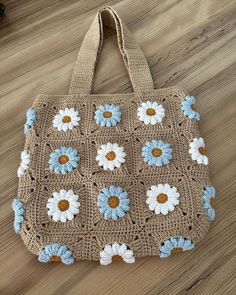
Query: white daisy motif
(116,252)
(24,165)
(197,151)
(110,156)
(66,119)
(162,198)
(151,113)
(63,206)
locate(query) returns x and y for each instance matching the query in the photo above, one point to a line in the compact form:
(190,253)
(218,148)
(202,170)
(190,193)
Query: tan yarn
(140,229)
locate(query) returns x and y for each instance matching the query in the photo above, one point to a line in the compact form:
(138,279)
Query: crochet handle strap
(136,63)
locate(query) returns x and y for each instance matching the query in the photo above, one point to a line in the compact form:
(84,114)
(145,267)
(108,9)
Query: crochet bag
(112,176)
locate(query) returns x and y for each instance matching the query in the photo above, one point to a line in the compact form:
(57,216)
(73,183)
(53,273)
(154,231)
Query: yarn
(119,148)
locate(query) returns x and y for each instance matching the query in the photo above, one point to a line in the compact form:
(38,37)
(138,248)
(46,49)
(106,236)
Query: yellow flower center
(63,159)
(116,258)
(193,107)
(156,152)
(107,114)
(55,258)
(162,198)
(202,150)
(150,112)
(113,201)
(111,156)
(212,202)
(176,250)
(66,119)
(63,205)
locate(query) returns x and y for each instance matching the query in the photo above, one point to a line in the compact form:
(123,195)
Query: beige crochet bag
(112,176)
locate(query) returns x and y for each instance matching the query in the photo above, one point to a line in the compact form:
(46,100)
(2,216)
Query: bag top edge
(160,90)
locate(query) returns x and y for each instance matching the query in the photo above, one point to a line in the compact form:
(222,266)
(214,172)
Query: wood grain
(191,43)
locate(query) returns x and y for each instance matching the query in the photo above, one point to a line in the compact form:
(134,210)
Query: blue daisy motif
(113,202)
(108,115)
(189,109)
(30,120)
(175,245)
(64,160)
(208,197)
(57,253)
(19,211)
(157,153)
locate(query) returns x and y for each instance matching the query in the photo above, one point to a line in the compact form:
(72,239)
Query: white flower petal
(108,250)
(105,255)
(116,249)
(104,162)
(105,261)
(157,209)
(56,216)
(164,206)
(54,210)
(25,162)
(157,117)
(128,254)
(194,147)
(122,250)
(64,126)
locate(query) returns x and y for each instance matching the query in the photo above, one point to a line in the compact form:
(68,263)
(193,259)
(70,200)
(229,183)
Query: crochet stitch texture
(140,228)
(66,160)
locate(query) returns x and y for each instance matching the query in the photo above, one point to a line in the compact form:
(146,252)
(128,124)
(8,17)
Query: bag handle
(136,63)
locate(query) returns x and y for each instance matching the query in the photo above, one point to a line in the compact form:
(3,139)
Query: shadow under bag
(113,176)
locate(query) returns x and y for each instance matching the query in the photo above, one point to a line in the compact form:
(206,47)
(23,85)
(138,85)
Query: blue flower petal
(207,194)
(108,122)
(106,210)
(19,211)
(67,260)
(30,120)
(56,249)
(62,250)
(175,242)
(107,213)
(165,250)
(161,160)
(186,107)
(181,242)
(210,191)
(188,245)
(121,211)
(164,255)
(211,213)
(43,257)
(168,244)
(73,162)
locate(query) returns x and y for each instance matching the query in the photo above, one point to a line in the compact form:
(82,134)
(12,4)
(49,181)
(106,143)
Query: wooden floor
(191,43)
